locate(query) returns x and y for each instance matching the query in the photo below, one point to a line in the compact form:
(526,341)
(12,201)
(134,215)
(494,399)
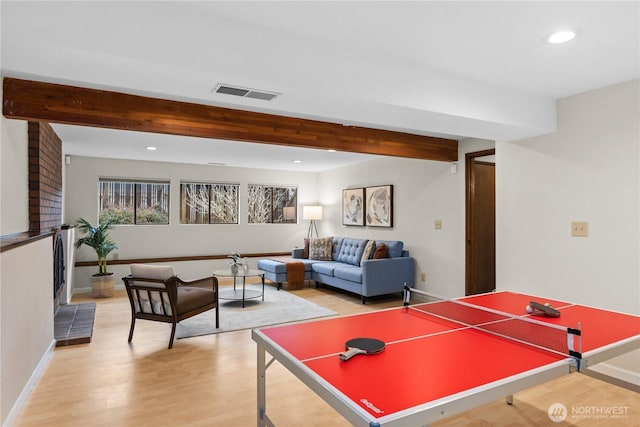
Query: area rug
(278,307)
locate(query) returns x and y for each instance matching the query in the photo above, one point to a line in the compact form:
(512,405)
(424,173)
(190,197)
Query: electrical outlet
(580,229)
(423,277)
(116,256)
(438,224)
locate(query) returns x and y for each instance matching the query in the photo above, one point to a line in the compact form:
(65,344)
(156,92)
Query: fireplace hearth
(73,323)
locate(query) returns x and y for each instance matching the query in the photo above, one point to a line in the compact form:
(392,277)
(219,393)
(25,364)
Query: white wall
(423,192)
(26,302)
(26,321)
(14,179)
(175,239)
(587,171)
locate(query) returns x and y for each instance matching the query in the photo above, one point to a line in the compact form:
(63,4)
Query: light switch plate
(580,229)
(438,224)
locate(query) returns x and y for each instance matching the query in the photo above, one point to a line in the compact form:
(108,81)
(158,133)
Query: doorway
(480,178)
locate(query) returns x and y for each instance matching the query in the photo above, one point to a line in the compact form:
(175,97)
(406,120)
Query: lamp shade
(312,212)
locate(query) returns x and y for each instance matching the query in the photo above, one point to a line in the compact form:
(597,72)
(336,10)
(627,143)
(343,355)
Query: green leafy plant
(117,216)
(97,238)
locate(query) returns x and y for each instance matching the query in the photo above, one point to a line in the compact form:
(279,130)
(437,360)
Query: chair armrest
(210,281)
(150,283)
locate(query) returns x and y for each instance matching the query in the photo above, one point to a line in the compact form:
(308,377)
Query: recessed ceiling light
(561,36)
(151,148)
(332,150)
(297,161)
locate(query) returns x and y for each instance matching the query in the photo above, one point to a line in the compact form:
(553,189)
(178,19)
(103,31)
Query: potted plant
(103,282)
(235,262)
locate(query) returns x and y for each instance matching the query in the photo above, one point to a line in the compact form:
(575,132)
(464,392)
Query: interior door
(481,223)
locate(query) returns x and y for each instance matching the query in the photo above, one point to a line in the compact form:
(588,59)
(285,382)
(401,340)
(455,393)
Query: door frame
(468,165)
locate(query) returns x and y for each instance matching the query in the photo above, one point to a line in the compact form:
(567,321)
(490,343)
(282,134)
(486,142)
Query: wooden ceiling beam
(56,103)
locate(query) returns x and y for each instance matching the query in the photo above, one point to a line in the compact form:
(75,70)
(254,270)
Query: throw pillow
(368,250)
(381,251)
(305,254)
(320,249)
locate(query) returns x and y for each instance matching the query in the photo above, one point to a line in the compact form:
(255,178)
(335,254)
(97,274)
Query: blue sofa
(347,271)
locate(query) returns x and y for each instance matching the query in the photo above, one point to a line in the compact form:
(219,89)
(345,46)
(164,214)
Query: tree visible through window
(270,204)
(208,203)
(134,202)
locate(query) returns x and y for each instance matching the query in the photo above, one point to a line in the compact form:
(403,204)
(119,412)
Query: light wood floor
(211,381)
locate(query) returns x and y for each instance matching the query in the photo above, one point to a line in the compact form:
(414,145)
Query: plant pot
(102,286)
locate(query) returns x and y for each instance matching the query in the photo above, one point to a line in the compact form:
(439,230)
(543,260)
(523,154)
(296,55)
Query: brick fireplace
(45,178)
(45,195)
(73,324)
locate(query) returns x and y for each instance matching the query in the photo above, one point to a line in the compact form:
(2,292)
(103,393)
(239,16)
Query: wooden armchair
(156,293)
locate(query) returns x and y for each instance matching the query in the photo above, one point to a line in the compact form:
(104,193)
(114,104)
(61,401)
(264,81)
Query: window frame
(269,192)
(235,212)
(136,196)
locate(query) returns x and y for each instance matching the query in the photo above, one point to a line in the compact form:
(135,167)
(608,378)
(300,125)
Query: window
(134,202)
(208,203)
(270,204)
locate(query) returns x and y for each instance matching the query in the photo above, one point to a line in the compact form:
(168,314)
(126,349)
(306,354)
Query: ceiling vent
(245,92)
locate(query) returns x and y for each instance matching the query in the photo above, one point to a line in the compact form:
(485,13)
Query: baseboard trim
(88,289)
(615,375)
(29,386)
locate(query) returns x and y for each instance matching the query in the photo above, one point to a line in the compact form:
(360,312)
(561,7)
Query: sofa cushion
(326,268)
(191,298)
(351,251)
(381,251)
(160,272)
(348,272)
(368,251)
(394,247)
(147,271)
(278,267)
(320,249)
(337,244)
(305,254)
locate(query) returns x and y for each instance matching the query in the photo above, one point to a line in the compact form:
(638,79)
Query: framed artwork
(353,206)
(379,206)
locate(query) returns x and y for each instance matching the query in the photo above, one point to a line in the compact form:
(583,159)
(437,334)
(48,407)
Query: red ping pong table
(421,377)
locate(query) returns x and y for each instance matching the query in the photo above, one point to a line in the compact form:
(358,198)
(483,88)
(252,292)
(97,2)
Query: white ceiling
(454,69)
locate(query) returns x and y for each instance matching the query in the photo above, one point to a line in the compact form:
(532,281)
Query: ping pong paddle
(361,346)
(546,309)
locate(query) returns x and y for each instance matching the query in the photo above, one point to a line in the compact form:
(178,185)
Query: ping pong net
(550,337)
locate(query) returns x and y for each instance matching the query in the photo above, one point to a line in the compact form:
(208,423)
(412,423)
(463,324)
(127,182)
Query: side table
(243,294)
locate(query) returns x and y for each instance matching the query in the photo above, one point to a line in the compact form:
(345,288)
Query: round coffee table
(243,294)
